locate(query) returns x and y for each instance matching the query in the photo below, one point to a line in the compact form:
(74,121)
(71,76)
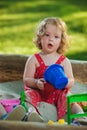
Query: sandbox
(11,72)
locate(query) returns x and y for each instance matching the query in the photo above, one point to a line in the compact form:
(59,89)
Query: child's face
(51,40)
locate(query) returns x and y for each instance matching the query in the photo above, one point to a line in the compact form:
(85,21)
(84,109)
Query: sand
(15,87)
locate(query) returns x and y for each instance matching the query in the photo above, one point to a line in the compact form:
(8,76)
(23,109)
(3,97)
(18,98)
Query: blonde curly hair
(41,29)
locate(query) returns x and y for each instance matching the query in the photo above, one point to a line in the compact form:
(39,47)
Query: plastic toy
(59,122)
(9,104)
(23,100)
(55,75)
(9,101)
(50,122)
(75,98)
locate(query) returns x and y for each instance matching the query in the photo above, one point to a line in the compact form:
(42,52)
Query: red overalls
(49,94)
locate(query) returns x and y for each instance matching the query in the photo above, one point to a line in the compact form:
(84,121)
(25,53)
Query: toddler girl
(52,40)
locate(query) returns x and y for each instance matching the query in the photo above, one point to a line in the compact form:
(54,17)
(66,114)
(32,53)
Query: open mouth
(50,45)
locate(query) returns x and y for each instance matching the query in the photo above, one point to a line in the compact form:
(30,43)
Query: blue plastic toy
(55,75)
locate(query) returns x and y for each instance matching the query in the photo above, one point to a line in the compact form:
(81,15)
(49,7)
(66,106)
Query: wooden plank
(12,68)
(19,125)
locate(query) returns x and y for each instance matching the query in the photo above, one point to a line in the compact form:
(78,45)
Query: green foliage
(19,18)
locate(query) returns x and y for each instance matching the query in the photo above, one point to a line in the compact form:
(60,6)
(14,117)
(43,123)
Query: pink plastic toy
(9,104)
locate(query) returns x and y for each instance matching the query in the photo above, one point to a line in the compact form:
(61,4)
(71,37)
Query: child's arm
(28,76)
(68,71)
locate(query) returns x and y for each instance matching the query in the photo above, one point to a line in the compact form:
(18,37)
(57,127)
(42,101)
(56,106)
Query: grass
(19,18)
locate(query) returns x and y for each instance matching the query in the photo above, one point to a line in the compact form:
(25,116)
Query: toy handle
(23,100)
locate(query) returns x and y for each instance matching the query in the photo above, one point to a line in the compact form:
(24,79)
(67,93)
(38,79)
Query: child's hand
(40,84)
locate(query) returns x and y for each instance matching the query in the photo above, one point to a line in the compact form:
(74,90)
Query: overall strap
(40,60)
(60,60)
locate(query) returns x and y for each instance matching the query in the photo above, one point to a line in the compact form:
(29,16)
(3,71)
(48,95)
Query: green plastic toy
(75,98)
(23,100)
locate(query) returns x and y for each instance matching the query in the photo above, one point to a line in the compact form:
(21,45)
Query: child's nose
(51,38)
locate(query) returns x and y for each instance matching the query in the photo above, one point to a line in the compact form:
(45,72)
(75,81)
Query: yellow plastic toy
(50,122)
(59,122)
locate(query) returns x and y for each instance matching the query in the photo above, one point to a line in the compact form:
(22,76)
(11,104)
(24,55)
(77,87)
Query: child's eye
(47,35)
(56,36)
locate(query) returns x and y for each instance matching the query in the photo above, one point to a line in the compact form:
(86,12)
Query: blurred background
(19,18)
